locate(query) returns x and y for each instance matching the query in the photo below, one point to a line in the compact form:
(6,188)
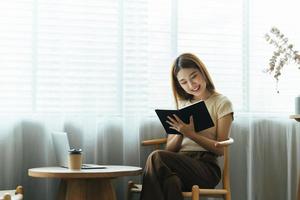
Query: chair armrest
(225,143)
(154,142)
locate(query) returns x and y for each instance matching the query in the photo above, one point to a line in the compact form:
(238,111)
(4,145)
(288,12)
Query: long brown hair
(188,60)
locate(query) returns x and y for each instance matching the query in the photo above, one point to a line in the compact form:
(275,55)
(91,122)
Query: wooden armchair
(16,194)
(195,192)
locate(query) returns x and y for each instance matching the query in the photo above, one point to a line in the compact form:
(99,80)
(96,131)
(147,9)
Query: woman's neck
(203,97)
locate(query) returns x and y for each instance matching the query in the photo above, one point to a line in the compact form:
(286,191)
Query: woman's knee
(159,163)
(158,155)
(153,160)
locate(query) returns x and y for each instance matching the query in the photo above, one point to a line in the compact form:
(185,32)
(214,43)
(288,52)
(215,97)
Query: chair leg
(129,187)
(228,196)
(195,192)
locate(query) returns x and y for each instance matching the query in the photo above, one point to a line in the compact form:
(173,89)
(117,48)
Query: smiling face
(190,79)
(193,83)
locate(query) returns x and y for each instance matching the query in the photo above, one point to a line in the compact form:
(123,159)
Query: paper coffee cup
(75,159)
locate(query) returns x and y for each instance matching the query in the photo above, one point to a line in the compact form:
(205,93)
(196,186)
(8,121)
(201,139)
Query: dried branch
(283,55)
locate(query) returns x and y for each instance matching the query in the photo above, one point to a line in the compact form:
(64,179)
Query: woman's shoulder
(223,105)
(220,102)
(220,98)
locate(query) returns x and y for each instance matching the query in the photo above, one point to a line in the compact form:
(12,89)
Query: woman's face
(192,81)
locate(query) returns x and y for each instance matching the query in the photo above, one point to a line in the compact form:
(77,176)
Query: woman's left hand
(187,129)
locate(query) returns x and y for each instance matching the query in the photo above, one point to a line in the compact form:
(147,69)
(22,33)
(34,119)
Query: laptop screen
(61,147)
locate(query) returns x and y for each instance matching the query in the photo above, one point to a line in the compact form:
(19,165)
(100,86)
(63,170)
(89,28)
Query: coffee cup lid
(75,151)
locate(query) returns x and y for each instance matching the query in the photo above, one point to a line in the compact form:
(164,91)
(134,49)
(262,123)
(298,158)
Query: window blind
(213,30)
(16,55)
(114,57)
(160,56)
(77,56)
(263,92)
(135,62)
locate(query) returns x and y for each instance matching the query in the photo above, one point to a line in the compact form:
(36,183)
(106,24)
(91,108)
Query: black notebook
(201,117)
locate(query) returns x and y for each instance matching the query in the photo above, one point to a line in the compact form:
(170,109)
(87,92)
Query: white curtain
(263,160)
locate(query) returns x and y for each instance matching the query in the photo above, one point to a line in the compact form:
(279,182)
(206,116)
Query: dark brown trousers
(167,174)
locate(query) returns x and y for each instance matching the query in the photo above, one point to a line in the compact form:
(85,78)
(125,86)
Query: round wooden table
(87,184)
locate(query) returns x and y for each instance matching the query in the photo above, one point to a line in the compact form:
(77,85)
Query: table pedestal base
(86,189)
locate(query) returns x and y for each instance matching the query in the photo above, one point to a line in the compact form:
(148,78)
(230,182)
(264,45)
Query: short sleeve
(224,107)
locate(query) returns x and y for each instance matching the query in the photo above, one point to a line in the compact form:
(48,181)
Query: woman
(189,158)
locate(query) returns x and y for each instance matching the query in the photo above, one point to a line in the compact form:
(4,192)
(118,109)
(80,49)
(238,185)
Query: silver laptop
(62,147)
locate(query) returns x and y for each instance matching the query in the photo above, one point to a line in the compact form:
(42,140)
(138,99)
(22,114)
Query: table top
(110,171)
(295,117)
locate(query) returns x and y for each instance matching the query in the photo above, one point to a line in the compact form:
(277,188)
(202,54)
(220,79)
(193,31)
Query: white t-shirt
(218,106)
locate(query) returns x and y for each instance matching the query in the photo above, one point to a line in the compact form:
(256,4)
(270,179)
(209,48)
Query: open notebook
(201,117)
(62,147)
